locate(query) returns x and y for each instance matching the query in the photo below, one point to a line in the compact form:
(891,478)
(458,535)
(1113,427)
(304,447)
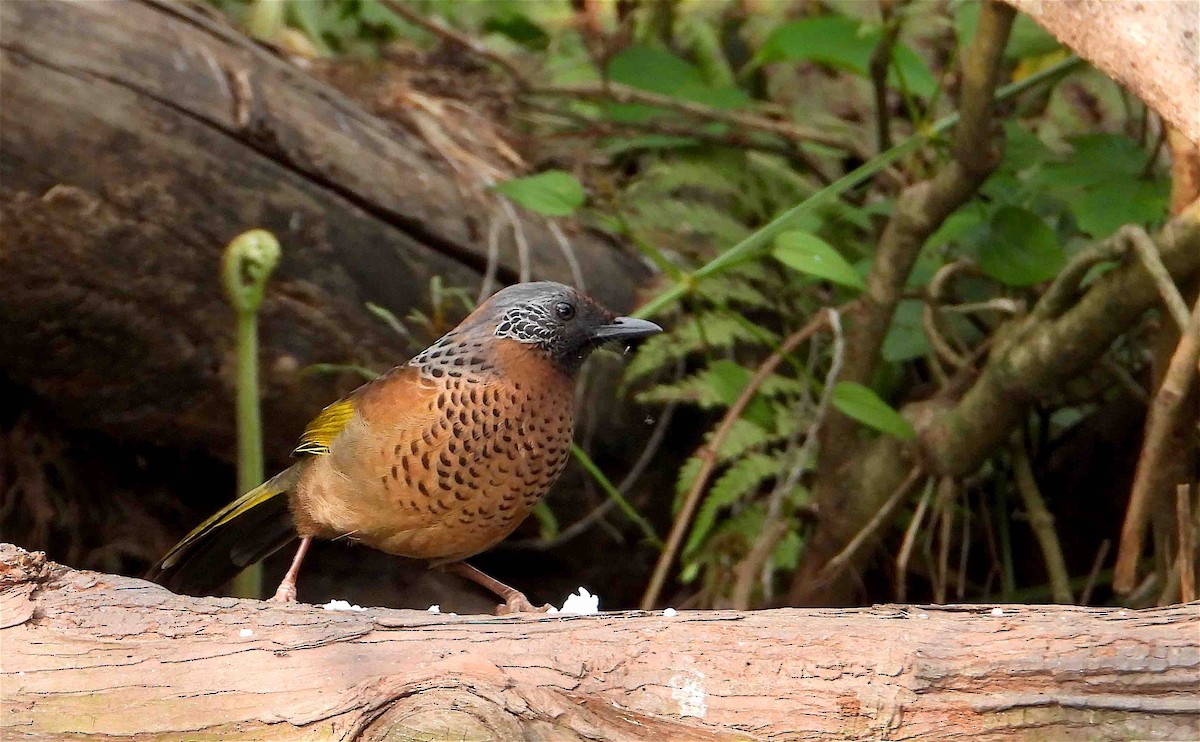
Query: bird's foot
(518,603)
(285,594)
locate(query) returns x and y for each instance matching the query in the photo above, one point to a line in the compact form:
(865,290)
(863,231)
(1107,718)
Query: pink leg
(287,588)
(514,600)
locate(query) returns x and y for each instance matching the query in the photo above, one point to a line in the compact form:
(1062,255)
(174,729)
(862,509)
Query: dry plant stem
(1147,251)
(708,454)
(947,495)
(493,258)
(568,253)
(466,42)
(805,455)
(881,61)
(750,567)
(596,129)
(929,320)
(906,547)
(618,93)
(1042,523)
(1064,289)
(1165,416)
(1085,596)
(1187,543)
(842,559)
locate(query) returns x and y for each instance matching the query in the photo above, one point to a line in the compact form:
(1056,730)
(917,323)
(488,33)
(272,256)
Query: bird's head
(554,319)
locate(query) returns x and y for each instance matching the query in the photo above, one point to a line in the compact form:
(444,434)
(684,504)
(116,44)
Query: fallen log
(106,656)
(138,137)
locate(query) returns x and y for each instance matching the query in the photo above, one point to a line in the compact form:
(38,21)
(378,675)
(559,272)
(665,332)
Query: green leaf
(743,435)
(857,401)
(552,193)
(1020,249)
(728,379)
(652,69)
(658,71)
(519,28)
(1104,185)
(786,554)
(846,44)
(547,523)
(906,338)
(739,480)
(1102,211)
(810,254)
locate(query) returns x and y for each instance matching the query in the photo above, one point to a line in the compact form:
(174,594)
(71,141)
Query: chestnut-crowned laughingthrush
(438,459)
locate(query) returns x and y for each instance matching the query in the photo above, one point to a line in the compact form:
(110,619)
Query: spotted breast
(451,462)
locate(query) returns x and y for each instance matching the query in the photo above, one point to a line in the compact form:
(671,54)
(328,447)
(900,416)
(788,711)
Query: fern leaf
(740,480)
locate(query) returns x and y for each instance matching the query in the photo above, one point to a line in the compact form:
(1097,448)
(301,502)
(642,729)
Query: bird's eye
(564,311)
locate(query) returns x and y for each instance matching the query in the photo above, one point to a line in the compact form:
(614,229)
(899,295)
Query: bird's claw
(518,603)
(285,594)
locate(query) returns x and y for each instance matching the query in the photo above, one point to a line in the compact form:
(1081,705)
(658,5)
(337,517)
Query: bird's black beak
(624,328)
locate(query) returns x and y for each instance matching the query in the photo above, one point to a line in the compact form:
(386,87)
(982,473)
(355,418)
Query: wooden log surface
(136,138)
(89,653)
(1152,49)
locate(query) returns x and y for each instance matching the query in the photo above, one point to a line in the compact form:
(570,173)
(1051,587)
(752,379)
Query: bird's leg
(514,600)
(287,588)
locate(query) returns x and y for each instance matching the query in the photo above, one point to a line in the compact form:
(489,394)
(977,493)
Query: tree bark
(106,656)
(136,138)
(1153,49)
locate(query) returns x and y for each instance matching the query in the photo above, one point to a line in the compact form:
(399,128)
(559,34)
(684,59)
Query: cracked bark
(82,649)
(136,139)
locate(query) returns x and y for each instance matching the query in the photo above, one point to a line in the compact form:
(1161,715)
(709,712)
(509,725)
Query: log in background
(136,138)
(113,657)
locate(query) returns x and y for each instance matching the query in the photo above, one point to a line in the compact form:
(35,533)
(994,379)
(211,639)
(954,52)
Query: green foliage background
(1081,159)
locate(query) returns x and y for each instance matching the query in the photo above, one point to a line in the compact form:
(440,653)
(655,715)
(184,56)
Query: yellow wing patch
(324,428)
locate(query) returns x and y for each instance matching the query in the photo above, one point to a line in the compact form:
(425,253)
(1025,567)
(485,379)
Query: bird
(439,459)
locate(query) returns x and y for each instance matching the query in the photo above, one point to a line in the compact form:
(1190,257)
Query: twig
(947,491)
(524,271)
(804,456)
(964,548)
(838,562)
(618,93)
(708,454)
(748,570)
(493,259)
(596,128)
(1085,597)
(910,538)
(1042,523)
(1164,417)
(568,254)
(1061,294)
(881,61)
(1125,379)
(455,38)
(1148,252)
(929,313)
(1187,543)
